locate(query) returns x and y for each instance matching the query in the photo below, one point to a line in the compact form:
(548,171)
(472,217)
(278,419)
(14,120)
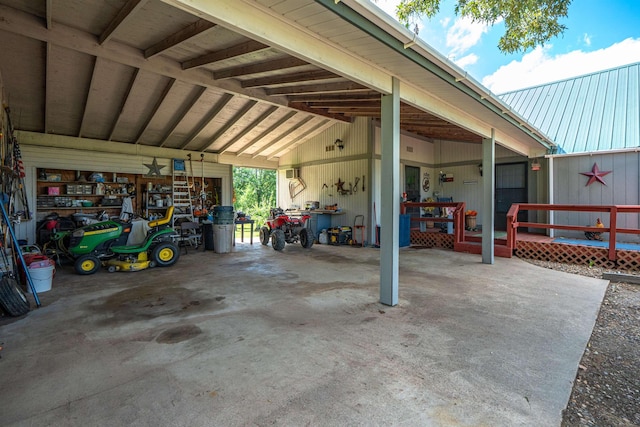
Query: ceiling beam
(266,132)
(49,13)
(204,122)
(292,128)
(247,129)
(86,99)
(48,86)
(30,26)
(125,99)
(236,51)
(178,37)
(262,67)
(156,107)
(299,139)
(229,123)
(322,97)
(305,76)
(318,88)
(181,115)
(303,107)
(127,11)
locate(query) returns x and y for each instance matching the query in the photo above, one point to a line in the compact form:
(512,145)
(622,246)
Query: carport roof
(243,79)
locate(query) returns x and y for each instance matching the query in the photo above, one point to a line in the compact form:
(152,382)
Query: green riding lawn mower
(105,244)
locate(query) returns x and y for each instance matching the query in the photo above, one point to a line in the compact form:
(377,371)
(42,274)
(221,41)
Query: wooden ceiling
(144,72)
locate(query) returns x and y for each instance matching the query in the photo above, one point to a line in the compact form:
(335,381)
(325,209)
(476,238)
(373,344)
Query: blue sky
(600,35)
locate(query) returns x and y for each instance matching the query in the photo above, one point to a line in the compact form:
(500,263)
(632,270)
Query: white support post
(390,196)
(488,192)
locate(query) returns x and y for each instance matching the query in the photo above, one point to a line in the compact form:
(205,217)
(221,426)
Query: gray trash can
(222,238)
(207,235)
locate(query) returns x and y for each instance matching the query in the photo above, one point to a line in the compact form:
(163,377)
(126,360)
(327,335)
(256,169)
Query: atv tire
(12,300)
(265,234)
(87,264)
(165,254)
(277,239)
(306,238)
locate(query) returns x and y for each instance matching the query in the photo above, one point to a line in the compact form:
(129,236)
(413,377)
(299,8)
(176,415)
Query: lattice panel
(431,240)
(571,254)
(628,260)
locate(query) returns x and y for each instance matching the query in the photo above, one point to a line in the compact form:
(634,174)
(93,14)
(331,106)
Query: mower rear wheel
(165,254)
(87,264)
(265,234)
(12,300)
(277,239)
(306,239)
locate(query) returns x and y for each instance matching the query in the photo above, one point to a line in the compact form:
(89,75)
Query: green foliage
(528,23)
(255,192)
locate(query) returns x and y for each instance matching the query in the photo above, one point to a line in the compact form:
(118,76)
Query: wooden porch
(609,254)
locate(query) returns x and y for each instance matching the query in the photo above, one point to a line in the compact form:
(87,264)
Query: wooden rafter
(178,37)
(127,10)
(248,128)
(235,119)
(305,76)
(181,115)
(266,132)
(154,111)
(262,67)
(215,110)
(318,88)
(123,104)
(315,129)
(90,90)
(236,51)
(292,128)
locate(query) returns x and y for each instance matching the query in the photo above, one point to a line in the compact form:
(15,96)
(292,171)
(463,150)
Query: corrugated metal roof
(594,112)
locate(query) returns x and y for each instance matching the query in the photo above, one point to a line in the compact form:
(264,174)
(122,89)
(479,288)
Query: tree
(528,23)
(255,192)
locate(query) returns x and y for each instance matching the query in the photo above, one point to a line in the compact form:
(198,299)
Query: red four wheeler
(282,228)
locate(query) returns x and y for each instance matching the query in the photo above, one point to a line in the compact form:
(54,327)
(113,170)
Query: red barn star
(595,175)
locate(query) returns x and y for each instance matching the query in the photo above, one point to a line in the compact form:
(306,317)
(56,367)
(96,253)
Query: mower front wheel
(306,239)
(277,239)
(87,264)
(265,234)
(165,254)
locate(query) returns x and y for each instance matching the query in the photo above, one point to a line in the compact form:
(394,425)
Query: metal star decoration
(595,175)
(154,169)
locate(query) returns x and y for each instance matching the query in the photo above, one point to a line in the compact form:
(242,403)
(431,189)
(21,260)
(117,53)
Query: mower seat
(164,220)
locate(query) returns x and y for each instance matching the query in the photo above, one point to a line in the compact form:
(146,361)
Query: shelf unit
(65,190)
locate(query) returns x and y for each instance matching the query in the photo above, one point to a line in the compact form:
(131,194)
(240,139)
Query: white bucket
(42,278)
(222,238)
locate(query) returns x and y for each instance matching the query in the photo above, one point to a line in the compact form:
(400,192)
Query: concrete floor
(258,337)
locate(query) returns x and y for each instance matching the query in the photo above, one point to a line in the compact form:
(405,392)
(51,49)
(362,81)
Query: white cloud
(539,66)
(445,22)
(586,39)
(463,35)
(465,61)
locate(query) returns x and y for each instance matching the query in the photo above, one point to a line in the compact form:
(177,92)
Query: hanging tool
(16,247)
(203,185)
(363,183)
(190,183)
(355,186)
(16,187)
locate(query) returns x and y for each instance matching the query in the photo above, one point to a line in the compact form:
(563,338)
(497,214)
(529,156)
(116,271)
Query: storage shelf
(84,195)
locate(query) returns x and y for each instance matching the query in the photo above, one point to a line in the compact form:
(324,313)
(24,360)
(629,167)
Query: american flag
(17,159)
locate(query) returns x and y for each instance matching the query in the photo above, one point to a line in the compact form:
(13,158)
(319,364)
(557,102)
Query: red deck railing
(611,210)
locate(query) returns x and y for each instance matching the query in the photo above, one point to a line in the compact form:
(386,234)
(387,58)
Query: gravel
(606,391)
